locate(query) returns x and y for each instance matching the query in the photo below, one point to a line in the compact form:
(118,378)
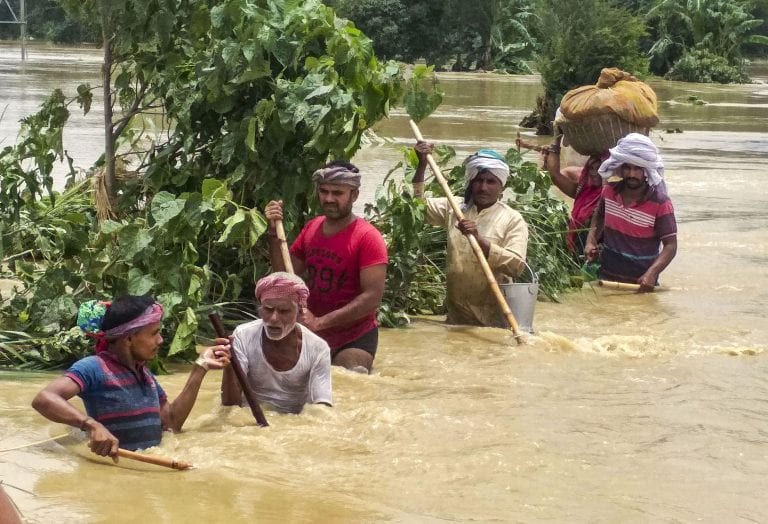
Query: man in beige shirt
(500,230)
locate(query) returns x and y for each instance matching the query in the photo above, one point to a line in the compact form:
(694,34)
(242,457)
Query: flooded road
(621,408)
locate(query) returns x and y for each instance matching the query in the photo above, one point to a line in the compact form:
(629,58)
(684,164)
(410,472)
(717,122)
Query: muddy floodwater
(622,408)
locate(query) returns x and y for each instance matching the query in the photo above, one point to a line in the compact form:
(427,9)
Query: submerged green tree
(700,32)
(47,20)
(249,98)
(489,34)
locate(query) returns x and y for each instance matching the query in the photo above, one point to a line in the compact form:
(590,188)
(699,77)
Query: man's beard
(633,183)
(336,212)
(286,331)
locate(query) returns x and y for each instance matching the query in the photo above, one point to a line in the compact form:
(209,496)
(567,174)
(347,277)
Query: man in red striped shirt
(635,216)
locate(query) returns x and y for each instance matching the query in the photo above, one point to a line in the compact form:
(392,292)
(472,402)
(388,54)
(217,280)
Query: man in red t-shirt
(343,259)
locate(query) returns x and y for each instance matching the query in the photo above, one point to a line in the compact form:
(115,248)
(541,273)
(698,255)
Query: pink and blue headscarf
(90,317)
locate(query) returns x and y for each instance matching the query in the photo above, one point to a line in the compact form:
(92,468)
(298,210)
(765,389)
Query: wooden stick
(284,246)
(253,403)
(473,242)
(623,286)
(520,143)
(150,459)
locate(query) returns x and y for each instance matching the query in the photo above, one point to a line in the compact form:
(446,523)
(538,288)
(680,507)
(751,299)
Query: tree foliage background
(486,34)
(219,105)
(248,100)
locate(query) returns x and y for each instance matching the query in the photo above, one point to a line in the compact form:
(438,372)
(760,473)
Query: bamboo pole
(622,286)
(520,143)
(284,252)
(150,459)
(473,242)
(253,403)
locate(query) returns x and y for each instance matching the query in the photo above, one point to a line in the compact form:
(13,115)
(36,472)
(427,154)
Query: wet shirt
(584,204)
(308,382)
(333,265)
(632,234)
(468,299)
(125,401)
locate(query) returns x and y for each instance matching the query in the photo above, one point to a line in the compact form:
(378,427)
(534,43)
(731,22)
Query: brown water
(622,408)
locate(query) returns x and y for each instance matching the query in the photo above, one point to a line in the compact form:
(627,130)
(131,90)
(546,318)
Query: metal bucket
(521,297)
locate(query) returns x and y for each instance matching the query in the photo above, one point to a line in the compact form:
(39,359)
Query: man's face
(279,316)
(633,176)
(336,199)
(145,342)
(486,189)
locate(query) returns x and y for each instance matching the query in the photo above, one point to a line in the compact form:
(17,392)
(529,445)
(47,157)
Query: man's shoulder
(363,226)
(366,230)
(92,362)
(507,211)
(314,341)
(313,223)
(659,196)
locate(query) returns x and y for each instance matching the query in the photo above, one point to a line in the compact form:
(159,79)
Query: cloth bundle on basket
(593,118)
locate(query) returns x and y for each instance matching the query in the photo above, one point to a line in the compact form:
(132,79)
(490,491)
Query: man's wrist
(202,363)
(320,323)
(86,423)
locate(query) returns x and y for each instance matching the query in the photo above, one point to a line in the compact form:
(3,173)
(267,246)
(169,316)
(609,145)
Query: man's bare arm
(52,403)
(565,179)
(595,232)
(174,414)
(372,281)
(668,252)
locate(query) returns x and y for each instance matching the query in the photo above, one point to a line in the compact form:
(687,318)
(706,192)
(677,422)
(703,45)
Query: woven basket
(595,134)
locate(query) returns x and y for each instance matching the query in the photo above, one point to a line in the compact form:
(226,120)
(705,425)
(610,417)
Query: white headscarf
(486,160)
(638,150)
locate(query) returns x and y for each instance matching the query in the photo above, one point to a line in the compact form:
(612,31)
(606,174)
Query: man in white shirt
(286,364)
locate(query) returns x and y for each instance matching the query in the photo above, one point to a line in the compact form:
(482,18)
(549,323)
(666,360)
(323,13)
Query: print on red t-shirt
(332,266)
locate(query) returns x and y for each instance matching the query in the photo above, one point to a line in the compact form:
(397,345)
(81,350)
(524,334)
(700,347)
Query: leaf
(250,138)
(231,223)
(163,22)
(165,207)
(258,225)
(170,301)
(61,311)
(84,97)
(227,148)
(138,283)
(213,188)
(133,240)
(185,333)
(322,90)
(110,226)
(420,101)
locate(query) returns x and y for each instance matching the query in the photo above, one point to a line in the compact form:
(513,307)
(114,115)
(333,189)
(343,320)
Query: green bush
(701,65)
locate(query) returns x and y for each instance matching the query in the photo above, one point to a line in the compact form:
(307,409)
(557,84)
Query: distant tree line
(567,41)
(47,20)
(692,40)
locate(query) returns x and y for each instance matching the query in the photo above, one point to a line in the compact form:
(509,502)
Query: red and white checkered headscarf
(282,285)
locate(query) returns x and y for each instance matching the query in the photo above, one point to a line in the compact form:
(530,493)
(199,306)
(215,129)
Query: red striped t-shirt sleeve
(666,224)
